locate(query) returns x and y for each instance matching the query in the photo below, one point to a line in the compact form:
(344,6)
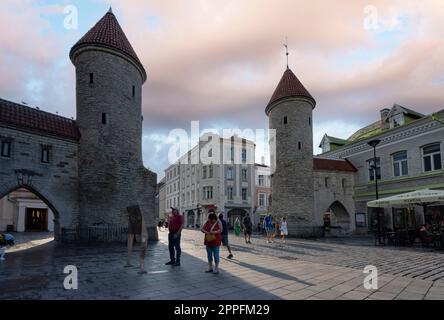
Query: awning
(420,198)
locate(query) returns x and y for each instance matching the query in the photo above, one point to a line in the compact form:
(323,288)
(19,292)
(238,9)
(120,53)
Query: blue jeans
(213,252)
(174,244)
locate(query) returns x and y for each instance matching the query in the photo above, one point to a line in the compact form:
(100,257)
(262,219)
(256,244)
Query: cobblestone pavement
(299,269)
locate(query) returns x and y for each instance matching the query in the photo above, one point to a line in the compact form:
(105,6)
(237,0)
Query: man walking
(225,235)
(175,226)
(269,228)
(247,226)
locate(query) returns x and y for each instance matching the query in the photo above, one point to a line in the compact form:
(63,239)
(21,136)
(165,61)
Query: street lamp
(374,166)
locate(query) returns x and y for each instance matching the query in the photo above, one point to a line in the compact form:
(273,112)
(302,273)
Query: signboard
(134,220)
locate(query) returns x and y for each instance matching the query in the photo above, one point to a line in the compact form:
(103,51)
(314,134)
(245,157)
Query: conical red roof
(108,33)
(290,86)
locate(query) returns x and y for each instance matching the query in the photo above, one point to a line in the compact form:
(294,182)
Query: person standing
(175,226)
(237,227)
(269,229)
(247,226)
(225,235)
(213,237)
(284,229)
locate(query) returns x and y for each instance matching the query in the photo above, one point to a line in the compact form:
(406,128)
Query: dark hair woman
(213,238)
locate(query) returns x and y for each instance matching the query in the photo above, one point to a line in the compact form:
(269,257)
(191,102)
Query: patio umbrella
(420,197)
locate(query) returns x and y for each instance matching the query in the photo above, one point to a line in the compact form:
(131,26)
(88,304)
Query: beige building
(21,211)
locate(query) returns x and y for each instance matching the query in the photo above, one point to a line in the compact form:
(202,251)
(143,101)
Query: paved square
(299,269)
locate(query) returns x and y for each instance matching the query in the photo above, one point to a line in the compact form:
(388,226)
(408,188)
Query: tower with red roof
(290,112)
(109,79)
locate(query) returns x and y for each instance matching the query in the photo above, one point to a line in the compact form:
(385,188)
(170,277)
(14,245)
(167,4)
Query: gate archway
(340,217)
(6,189)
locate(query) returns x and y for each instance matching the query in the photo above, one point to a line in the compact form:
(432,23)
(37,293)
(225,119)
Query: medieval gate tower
(290,113)
(109,79)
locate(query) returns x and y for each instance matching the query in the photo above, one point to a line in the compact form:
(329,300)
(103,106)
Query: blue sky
(219,61)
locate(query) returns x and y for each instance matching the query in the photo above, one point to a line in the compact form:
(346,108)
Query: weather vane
(286,49)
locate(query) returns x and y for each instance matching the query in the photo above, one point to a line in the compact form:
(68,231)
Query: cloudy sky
(219,61)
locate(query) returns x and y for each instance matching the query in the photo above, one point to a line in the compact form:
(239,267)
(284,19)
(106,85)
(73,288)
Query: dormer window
(397,120)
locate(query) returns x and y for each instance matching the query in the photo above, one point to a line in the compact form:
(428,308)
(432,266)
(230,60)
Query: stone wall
(56,182)
(292,180)
(111,172)
(334,193)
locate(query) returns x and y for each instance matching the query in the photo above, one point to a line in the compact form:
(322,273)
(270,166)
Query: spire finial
(110,9)
(286,49)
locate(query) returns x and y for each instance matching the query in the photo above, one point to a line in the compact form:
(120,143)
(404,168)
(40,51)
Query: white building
(21,210)
(221,178)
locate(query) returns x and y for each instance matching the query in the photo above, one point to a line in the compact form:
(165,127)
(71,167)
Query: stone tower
(109,79)
(290,113)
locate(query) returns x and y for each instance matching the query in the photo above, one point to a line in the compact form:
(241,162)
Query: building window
(208,193)
(210,153)
(326,182)
(230,193)
(299,145)
(262,199)
(309,121)
(400,166)
(210,172)
(45,154)
(432,157)
(285,120)
(134,91)
(244,155)
(204,172)
(261,181)
(244,194)
(371,171)
(344,183)
(232,153)
(230,173)
(6,149)
(104,118)
(91,78)
(244,174)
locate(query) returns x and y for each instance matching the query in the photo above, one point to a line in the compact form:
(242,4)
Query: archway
(234,214)
(339,217)
(23,208)
(191,219)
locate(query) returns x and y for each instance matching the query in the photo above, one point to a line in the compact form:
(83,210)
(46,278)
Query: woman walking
(213,238)
(284,229)
(237,227)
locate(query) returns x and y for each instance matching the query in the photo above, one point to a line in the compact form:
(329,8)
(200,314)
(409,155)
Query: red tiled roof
(290,86)
(108,33)
(28,118)
(333,165)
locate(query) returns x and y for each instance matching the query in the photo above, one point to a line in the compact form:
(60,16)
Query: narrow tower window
(285,120)
(91,78)
(134,91)
(309,121)
(299,145)
(104,118)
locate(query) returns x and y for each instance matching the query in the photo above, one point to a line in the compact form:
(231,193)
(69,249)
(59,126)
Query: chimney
(384,113)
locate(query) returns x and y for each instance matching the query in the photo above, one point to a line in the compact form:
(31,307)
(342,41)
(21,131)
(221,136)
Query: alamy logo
(371,281)
(71,21)
(71,280)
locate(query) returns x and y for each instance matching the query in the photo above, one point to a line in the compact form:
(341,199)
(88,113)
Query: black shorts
(225,240)
(247,231)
